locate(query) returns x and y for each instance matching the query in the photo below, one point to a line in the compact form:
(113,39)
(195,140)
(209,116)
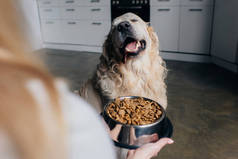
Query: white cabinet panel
(225,31)
(196,2)
(94,13)
(164,2)
(195,29)
(95,32)
(70,2)
(51,31)
(100,13)
(48,3)
(85,32)
(165,21)
(72,31)
(73,13)
(94,2)
(49,13)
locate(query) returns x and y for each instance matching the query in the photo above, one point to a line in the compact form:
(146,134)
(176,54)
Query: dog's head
(129,38)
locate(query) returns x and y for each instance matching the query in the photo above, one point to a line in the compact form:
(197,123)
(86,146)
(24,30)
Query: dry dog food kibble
(137,111)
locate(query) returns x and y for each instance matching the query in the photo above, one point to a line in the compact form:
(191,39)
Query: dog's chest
(144,84)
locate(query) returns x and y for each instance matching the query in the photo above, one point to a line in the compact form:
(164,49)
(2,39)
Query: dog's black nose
(124,26)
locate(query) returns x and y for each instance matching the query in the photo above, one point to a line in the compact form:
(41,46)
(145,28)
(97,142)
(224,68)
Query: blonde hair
(19,112)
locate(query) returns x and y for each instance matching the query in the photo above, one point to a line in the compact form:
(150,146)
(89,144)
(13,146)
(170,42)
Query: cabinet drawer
(48,3)
(101,13)
(49,12)
(95,32)
(196,2)
(164,2)
(92,13)
(72,31)
(195,29)
(70,2)
(51,31)
(72,12)
(165,21)
(95,2)
(85,32)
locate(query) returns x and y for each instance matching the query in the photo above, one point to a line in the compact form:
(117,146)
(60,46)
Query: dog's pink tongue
(131,47)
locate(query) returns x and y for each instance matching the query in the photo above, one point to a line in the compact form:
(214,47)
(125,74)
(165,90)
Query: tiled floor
(202,104)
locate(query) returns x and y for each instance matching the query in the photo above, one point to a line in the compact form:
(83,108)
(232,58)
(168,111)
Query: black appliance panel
(139,7)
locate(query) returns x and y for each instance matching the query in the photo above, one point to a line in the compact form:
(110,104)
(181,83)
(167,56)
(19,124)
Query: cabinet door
(100,13)
(49,13)
(95,32)
(225,31)
(51,31)
(72,31)
(84,13)
(72,12)
(165,2)
(48,3)
(94,2)
(69,3)
(196,2)
(195,29)
(165,21)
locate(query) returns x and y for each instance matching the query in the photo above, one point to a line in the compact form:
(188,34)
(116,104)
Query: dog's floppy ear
(153,37)
(107,47)
(109,52)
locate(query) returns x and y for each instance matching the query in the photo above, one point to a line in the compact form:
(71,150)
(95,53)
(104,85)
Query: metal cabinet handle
(71,23)
(164,10)
(48,10)
(49,22)
(70,1)
(95,9)
(163,0)
(95,1)
(70,10)
(47,2)
(195,10)
(96,23)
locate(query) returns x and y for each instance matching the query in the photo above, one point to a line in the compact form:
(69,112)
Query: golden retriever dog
(130,65)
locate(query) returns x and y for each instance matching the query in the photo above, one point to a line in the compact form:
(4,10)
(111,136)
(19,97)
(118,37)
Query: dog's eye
(134,20)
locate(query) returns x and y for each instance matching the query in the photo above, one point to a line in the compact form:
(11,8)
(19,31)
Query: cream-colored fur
(142,75)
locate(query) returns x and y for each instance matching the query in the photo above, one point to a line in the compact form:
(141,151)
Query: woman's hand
(150,150)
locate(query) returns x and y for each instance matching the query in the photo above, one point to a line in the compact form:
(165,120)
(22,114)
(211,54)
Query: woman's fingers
(150,150)
(153,149)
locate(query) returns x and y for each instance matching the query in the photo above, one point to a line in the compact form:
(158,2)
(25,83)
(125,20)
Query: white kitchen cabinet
(100,13)
(73,12)
(69,3)
(195,29)
(165,21)
(225,31)
(224,48)
(49,13)
(52,31)
(85,2)
(95,2)
(84,13)
(85,32)
(48,3)
(72,31)
(77,22)
(196,2)
(165,2)
(96,32)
